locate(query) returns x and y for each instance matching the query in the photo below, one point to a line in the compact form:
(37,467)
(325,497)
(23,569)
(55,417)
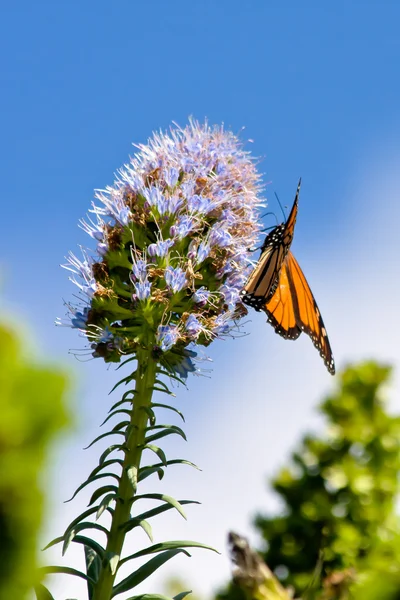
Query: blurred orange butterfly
(278,287)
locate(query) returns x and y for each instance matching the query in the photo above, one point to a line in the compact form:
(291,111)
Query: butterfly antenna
(270,213)
(281,207)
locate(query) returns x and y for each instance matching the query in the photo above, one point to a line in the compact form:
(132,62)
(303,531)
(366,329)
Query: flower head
(172,235)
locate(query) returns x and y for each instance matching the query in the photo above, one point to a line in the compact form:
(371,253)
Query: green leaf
(163,385)
(147,471)
(111,449)
(125,380)
(182,595)
(155,388)
(104,504)
(172,376)
(85,541)
(93,568)
(160,453)
(150,597)
(70,533)
(125,411)
(72,525)
(137,520)
(132,474)
(163,498)
(165,430)
(124,400)
(121,425)
(64,571)
(103,490)
(113,561)
(106,463)
(171,545)
(42,593)
(103,435)
(91,480)
(150,412)
(157,404)
(150,469)
(145,571)
(146,528)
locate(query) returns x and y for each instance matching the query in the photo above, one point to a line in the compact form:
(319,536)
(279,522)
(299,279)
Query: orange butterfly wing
(281,309)
(292,309)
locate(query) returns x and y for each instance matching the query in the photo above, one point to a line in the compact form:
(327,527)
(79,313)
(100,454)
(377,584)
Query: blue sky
(317,88)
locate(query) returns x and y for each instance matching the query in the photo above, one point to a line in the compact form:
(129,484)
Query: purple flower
(198,186)
(201,296)
(142,290)
(219,237)
(186,365)
(202,252)
(183,227)
(173,204)
(221,325)
(80,318)
(139,271)
(230,294)
(193,326)
(102,249)
(160,248)
(201,205)
(105,336)
(175,279)
(167,336)
(171,176)
(155,198)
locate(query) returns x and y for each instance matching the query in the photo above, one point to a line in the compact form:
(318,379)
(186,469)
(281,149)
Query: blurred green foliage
(32,413)
(339,494)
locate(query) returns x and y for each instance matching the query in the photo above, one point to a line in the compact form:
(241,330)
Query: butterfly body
(278,286)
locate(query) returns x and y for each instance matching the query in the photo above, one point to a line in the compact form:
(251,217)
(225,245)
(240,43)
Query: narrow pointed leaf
(150,597)
(132,474)
(150,412)
(42,593)
(105,464)
(91,480)
(104,504)
(147,471)
(138,519)
(71,533)
(113,561)
(171,545)
(101,491)
(103,435)
(145,571)
(167,430)
(172,376)
(95,546)
(157,404)
(164,498)
(64,571)
(93,568)
(145,525)
(109,450)
(182,595)
(124,380)
(160,453)
(124,400)
(116,412)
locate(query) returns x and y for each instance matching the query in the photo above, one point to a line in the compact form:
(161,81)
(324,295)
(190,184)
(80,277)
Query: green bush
(31,414)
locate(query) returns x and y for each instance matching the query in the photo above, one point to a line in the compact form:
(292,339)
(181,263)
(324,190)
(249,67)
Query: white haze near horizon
(243,423)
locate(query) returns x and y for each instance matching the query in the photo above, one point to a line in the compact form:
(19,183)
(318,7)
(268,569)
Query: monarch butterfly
(278,287)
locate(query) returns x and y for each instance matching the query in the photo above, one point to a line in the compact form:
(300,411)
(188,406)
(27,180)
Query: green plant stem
(145,379)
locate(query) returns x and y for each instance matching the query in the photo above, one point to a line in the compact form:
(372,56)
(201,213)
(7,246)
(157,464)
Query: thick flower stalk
(173,237)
